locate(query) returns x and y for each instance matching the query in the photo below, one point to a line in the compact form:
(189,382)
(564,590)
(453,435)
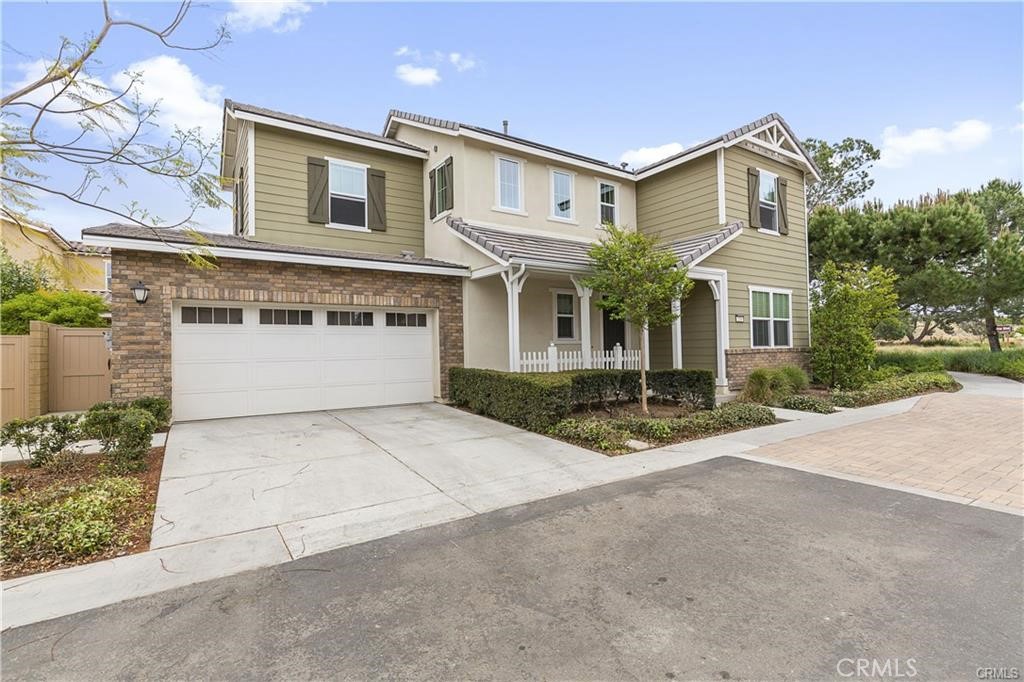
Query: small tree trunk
(643,372)
(992,332)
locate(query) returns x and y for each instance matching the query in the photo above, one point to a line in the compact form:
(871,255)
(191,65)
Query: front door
(614,331)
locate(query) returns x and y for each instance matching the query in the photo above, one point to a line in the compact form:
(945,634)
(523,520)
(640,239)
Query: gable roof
(455,127)
(692,250)
(728,139)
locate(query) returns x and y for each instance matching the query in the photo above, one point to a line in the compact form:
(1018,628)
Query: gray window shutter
(318,204)
(754,196)
(377,198)
(447,169)
(433,194)
(783,213)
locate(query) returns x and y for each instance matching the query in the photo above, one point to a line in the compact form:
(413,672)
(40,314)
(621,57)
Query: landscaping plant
(896,388)
(39,439)
(772,385)
(66,308)
(638,282)
(808,403)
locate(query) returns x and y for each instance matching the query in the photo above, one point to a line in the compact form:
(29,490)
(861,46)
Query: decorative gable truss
(774,140)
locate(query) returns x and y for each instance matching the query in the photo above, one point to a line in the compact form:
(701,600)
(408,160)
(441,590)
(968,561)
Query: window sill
(566,342)
(350,228)
(752,347)
(564,221)
(441,216)
(512,211)
(774,233)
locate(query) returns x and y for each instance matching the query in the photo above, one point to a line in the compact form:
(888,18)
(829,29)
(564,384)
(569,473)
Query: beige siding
(680,201)
(757,259)
(280,188)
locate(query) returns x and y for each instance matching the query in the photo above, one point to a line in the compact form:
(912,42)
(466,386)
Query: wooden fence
(556,360)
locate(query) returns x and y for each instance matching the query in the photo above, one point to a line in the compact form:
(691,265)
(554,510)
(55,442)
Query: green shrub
(1008,363)
(67,308)
(101,422)
(597,386)
(160,408)
(883,372)
(648,429)
(38,439)
(532,401)
(597,434)
(727,417)
(772,385)
(65,522)
(896,388)
(807,403)
(692,387)
(125,433)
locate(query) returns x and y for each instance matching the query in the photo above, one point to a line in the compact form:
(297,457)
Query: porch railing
(556,360)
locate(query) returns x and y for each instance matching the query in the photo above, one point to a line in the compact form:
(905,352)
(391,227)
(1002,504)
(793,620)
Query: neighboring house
(69,264)
(362,267)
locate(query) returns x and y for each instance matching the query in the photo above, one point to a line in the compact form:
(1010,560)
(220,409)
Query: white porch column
(514,281)
(677,336)
(720,291)
(584,294)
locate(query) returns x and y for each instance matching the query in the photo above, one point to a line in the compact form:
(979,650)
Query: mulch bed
(86,470)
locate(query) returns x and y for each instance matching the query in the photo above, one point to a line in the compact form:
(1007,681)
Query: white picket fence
(555,360)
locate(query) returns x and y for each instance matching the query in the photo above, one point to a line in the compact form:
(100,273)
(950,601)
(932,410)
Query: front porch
(551,321)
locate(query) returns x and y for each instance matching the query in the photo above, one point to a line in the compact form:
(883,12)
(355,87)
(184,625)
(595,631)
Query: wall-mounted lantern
(141,292)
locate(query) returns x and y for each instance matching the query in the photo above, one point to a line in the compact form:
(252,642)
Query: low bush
(772,385)
(896,388)
(691,387)
(596,434)
(610,435)
(1008,363)
(38,439)
(601,386)
(125,433)
(807,403)
(532,401)
(160,408)
(883,372)
(65,522)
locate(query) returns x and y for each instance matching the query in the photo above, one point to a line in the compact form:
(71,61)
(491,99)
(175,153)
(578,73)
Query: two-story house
(362,267)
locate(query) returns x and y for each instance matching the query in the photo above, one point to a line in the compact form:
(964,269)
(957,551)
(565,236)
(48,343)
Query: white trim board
(131,244)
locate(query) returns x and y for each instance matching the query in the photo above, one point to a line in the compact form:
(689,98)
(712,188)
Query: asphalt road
(722,570)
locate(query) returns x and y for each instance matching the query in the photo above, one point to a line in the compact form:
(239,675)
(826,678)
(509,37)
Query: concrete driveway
(323,478)
(725,569)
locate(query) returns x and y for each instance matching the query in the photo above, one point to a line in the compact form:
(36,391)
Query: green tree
(996,271)
(849,302)
(19,278)
(844,171)
(67,308)
(638,282)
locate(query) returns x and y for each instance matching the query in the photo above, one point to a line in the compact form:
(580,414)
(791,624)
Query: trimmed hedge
(896,388)
(610,435)
(1008,363)
(538,400)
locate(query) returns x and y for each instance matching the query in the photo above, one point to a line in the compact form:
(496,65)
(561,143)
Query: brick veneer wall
(38,374)
(142,333)
(740,362)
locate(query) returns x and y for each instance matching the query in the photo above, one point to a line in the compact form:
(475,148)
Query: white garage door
(235,360)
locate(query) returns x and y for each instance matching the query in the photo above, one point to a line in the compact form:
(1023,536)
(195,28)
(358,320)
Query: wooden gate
(79,368)
(13,375)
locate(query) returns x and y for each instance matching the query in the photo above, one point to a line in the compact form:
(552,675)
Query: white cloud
(280,16)
(181,97)
(899,149)
(91,88)
(461,62)
(638,158)
(417,75)
(406,51)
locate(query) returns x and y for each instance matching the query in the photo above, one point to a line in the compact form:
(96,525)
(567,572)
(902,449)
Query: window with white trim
(768,189)
(565,316)
(770,318)
(607,200)
(510,183)
(348,195)
(107,275)
(561,195)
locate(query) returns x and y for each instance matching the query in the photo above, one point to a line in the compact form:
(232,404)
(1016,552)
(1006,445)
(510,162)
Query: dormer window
(348,195)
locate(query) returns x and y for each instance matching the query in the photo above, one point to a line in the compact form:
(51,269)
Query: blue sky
(937,86)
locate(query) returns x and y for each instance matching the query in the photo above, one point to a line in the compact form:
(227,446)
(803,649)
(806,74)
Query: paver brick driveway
(969,444)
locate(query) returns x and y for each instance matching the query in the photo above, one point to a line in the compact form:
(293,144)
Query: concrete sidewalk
(460,490)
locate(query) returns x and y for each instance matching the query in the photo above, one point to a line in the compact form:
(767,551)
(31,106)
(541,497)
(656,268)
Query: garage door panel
(276,344)
(355,371)
(210,376)
(250,369)
(343,345)
(285,373)
(404,344)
